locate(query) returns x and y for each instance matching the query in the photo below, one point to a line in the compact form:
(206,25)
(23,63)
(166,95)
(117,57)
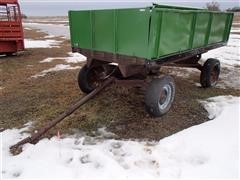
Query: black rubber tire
(154,93)
(83,82)
(210,73)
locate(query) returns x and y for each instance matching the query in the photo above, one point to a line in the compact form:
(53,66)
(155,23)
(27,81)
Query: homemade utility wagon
(126,45)
(130,44)
(11,31)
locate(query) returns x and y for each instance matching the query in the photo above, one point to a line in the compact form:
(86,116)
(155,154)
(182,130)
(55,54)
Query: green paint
(150,32)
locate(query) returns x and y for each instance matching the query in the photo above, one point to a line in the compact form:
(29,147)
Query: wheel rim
(94,77)
(98,74)
(214,76)
(165,97)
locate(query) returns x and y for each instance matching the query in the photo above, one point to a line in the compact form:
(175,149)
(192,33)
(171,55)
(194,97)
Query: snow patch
(228,55)
(73,58)
(49,36)
(235,30)
(229,77)
(27,28)
(209,150)
(30,43)
(215,105)
(44,21)
(49,59)
(51,29)
(236,23)
(58,67)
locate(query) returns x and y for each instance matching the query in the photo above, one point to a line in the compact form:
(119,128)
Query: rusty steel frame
(109,57)
(131,65)
(40,132)
(131,82)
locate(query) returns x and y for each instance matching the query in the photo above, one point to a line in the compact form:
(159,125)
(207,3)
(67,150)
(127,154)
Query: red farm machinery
(11,30)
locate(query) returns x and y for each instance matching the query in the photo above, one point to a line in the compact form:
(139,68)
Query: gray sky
(61,7)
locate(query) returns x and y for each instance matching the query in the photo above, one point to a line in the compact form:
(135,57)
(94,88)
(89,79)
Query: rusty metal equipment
(36,137)
(138,41)
(127,45)
(11,30)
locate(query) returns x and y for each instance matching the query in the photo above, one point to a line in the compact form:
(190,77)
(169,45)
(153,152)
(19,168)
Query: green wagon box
(141,40)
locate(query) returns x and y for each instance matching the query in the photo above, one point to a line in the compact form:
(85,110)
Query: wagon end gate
(11,30)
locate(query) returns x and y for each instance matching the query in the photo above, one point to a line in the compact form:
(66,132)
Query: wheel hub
(214,76)
(98,74)
(165,96)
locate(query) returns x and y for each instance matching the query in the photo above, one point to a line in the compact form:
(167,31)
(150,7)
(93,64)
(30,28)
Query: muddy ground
(25,99)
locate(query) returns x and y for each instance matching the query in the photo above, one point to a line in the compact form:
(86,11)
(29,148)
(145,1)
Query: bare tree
(213,6)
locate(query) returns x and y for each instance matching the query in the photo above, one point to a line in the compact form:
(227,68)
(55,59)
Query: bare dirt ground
(121,110)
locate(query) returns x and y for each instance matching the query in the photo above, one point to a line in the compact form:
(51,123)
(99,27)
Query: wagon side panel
(217,28)
(175,32)
(132,32)
(150,33)
(154,34)
(201,29)
(103,30)
(228,26)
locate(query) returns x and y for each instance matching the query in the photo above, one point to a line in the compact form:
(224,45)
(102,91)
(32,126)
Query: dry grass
(121,110)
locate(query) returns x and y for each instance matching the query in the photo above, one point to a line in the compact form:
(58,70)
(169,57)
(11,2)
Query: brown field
(121,110)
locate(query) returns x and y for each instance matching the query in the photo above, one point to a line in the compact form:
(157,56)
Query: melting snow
(58,67)
(51,29)
(30,43)
(73,58)
(209,150)
(26,28)
(235,30)
(228,55)
(49,36)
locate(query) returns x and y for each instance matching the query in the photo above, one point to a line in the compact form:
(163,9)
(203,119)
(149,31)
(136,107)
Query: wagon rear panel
(80,29)
(218,26)
(11,31)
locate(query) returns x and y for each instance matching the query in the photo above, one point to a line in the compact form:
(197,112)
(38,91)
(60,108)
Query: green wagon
(131,44)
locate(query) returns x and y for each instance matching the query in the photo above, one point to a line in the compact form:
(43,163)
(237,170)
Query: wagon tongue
(17,148)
